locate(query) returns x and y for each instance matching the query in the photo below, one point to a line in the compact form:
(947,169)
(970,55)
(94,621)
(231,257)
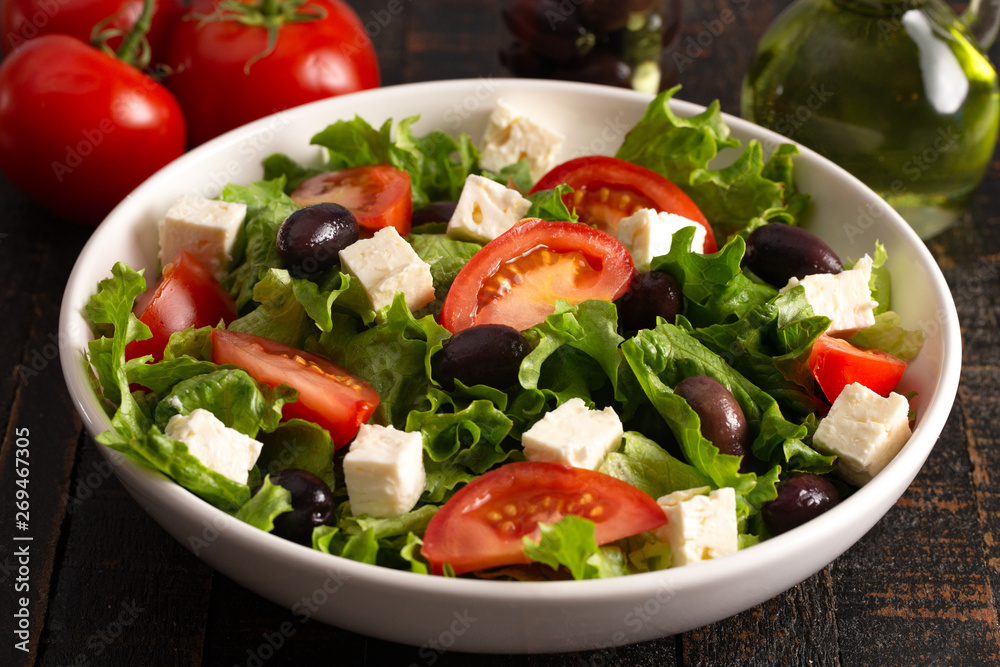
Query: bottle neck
(982,19)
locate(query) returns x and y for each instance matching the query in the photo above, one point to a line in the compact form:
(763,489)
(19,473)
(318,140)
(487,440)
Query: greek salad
(468,360)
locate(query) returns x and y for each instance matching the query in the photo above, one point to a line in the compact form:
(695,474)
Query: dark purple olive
(310,239)
(523,62)
(438,211)
(489,354)
(722,419)
(650,294)
(801,497)
(602,16)
(778,252)
(312,505)
(599,66)
(550,28)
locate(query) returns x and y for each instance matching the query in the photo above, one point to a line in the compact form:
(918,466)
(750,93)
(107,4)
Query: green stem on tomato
(270,7)
(132,51)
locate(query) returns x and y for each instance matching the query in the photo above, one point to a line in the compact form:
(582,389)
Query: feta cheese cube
(843,297)
(485,210)
(573,435)
(220,448)
(384,471)
(864,430)
(511,136)
(386,264)
(648,233)
(699,527)
(206,228)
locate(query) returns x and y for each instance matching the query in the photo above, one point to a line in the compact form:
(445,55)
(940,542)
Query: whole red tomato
(79,129)
(226,73)
(23,20)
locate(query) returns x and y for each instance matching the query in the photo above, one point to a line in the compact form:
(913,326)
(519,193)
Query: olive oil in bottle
(898,93)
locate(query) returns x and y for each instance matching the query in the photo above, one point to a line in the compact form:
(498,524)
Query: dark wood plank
(916,585)
(38,415)
(797,627)
(453,39)
(127,593)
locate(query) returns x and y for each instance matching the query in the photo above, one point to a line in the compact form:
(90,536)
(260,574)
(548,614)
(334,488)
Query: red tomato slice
(835,363)
(606,189)
(482,525)
(518,276)
(378,196)
(186,295)
(330,396)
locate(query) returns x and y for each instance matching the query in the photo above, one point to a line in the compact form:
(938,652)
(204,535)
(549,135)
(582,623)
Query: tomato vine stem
(134,49)
(268,14)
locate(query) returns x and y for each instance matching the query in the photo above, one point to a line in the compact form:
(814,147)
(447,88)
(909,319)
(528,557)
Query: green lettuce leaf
(265,505)
(888,335)
(173,459)
(298,444)
(465,433)
(569,543)
(733,198)
(549,205)
(662,357)
(437,163)
(393,356)
(267,207)
(446,257)
(280,316)
(769,345)
(516,176)
(714,286)
(112,306)
(650,468)
(229,394)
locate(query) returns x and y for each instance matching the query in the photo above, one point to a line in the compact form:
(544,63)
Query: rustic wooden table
(109,587)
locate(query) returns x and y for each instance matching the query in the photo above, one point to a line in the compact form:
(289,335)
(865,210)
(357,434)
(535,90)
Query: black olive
(489,354)
(603,16)
(650,294)
(801,497)
(778,252)
(310,239)
(722,419)
(438,211)
(598,66)
(548,29)
(312,505)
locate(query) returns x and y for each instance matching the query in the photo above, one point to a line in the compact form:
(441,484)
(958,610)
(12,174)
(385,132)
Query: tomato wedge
(607,189)
(482,525)
(835,363)
(378,195)
(518,276)
(186,295)
(330,396)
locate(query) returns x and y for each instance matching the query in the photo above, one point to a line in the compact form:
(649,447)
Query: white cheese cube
(648,233)
(573,435)
(485,210)
(386,264)
(699,527)
(511,136)
(220,448)
(206,228)
(384,471)
(864,430)
(843,297)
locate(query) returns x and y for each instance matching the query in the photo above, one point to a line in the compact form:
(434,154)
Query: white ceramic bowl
(504,617)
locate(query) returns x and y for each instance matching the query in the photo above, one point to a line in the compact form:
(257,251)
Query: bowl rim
(158,488)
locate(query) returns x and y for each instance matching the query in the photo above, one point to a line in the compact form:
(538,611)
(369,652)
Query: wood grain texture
(112,588)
